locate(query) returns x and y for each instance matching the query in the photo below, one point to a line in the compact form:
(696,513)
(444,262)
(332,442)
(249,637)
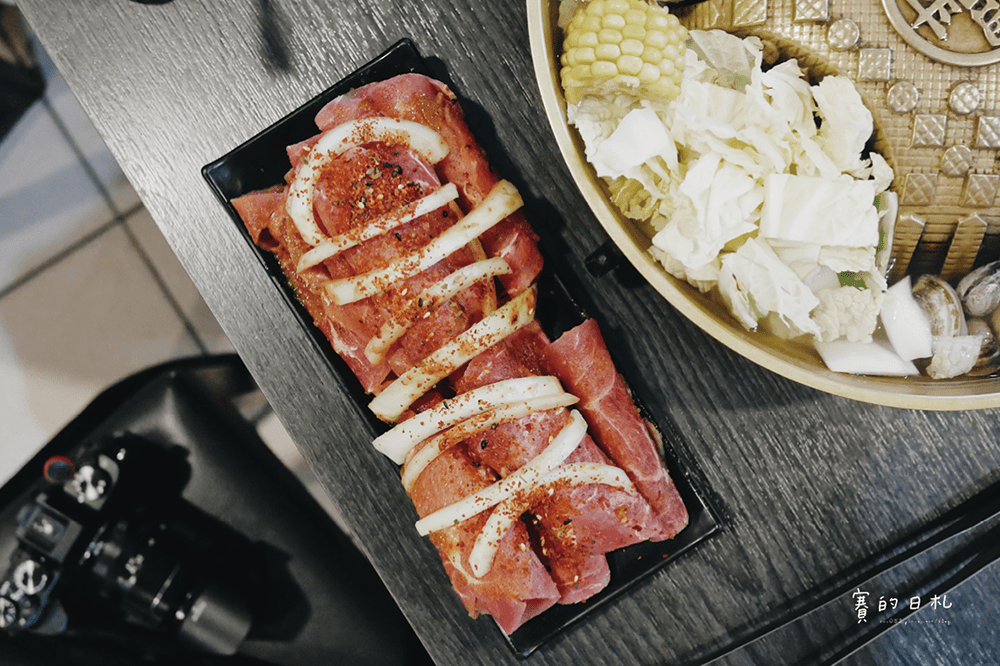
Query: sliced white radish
(423,140)
(864,358)
(380,225)
(429,299)
(396,443)
(554,454)
(505,320)
(502,200)
(905,322)
(509,511)
(469,427)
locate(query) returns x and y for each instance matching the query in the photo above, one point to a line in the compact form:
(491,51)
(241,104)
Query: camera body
(107,537)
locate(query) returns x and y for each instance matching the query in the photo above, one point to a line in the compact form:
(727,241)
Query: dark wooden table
(805,483)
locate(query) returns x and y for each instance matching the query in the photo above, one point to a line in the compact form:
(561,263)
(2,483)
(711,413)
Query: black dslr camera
(108,538)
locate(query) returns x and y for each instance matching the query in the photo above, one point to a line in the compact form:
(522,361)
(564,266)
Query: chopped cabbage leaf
(754,282)
(719,205)
(639,137)
(732,58)
(847,122)
(811,209)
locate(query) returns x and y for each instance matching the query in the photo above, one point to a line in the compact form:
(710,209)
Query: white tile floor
(90,292)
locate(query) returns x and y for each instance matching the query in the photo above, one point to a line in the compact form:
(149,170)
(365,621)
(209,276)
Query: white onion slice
(423,140)
(397,442)
(380,225)
(449,438)
(505,320)
(502,200)
(430,298)
(554,454)
(509,511)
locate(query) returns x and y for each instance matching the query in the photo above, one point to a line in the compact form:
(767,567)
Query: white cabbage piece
(754,282)
(847,123)
(596,118)
(788,99)
(812,209)
(732,58)
(704,278)
(639,137)
(717,205)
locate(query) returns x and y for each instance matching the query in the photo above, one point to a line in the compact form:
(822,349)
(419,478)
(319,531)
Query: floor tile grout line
(59,256)
(81,156)
(162,284)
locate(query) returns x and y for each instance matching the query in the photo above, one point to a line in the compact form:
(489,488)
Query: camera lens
(137,568)
(216,620)
(132,572)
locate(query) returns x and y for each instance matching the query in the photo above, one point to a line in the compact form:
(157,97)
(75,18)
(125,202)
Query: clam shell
(980,290)
(942,304)
(989,352)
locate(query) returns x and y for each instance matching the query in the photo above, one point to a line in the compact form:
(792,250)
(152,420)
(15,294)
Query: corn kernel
(609,52)
(587,39)
(632,47)
(584,56)
(648,74)
(635,17)
(656,39)
(632,31)
(613,21)
(603,69)
(609,36)
(652,55)
(658,22)
(629,64)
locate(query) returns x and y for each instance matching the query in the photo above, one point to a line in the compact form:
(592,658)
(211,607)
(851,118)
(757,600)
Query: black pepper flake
(483,444)
(494,426)
(398,236)
(444,213)
(567,521)
(420,302)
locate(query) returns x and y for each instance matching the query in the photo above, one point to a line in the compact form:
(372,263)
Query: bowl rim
(909,392)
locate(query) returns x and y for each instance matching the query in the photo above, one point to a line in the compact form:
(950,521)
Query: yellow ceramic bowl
(794,360)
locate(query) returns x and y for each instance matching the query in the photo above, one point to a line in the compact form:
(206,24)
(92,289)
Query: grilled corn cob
(622,46)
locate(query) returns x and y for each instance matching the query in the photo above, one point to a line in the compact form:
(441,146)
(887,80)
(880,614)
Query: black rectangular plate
(262,162)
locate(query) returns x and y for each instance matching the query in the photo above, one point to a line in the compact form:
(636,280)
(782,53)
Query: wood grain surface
(805,483)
